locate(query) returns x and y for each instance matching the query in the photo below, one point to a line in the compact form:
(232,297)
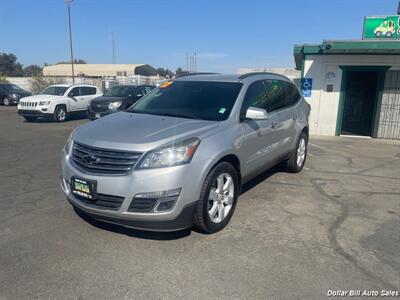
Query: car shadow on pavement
(260,178)
(166,236)
(148,235)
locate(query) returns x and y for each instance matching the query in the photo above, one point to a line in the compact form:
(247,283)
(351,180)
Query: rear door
(259,136)
(283,97)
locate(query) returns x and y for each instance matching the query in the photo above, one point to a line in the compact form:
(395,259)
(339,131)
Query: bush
(39,83)
(3,78)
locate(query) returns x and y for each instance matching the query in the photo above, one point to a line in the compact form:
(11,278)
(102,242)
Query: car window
(90,90)
(255,96)
(276,94)
(292,95)
(76,91)
(147,89)
(204,100)
(281,94)
(140,91)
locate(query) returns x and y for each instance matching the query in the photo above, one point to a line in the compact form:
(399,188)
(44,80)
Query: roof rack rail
(243,76)
(198,73)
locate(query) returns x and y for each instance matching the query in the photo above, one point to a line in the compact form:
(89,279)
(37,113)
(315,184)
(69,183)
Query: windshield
(54,90)
(121,91)
(211,101)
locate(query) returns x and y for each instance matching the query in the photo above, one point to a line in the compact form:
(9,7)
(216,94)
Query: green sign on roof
(382,27)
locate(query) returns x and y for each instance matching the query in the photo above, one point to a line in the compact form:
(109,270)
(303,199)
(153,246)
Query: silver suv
(180,155)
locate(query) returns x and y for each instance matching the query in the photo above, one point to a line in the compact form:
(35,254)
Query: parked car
(58,101)
(11,93)
(119,97)
(180,155)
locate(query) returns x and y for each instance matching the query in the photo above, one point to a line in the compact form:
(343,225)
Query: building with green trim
(353,87)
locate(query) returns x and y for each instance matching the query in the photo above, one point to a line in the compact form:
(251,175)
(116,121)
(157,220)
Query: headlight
(68,145)
(41,103)
(171,155)
(14,96)
(114,105)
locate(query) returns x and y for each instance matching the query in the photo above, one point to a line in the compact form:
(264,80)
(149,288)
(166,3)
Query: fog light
(154,201)
(44,109)
(165,205)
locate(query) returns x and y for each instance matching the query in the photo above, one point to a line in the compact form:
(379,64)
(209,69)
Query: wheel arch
(233,160)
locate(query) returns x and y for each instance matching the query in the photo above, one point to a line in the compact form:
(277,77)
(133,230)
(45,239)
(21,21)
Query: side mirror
(71,95)
(255,113)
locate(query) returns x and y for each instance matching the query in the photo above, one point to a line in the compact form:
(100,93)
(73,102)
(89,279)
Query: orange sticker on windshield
(165,84)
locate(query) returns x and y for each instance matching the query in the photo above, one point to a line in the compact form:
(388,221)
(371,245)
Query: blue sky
(226,34)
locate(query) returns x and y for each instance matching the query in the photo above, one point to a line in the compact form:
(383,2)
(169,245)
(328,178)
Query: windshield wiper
(165,114)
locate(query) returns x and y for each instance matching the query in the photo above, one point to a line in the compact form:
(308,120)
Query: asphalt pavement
(334,226)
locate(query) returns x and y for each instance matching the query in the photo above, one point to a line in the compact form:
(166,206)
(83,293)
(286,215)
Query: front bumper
(33,113)
(140,181)
(92,114)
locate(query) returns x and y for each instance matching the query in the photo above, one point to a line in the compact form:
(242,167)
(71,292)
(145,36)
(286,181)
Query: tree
(32,70)
(76,61)
(165,72)
(180,72)
(3,79)
(9,65)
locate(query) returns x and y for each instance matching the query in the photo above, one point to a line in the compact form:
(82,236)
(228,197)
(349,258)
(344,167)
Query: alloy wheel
(221,196)
(301,152)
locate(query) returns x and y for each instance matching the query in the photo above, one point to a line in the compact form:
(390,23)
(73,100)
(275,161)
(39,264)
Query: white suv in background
(58,101)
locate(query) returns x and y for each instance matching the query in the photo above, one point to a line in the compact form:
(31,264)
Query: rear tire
(30,119)
(60,114)
(218,198)
(297,158)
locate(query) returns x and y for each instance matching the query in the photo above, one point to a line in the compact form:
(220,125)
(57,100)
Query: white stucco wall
(324,105)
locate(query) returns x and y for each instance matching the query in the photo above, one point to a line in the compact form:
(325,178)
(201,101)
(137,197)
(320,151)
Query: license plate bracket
(84,187)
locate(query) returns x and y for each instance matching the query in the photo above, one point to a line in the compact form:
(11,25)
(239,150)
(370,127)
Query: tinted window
(276,93)
(76,91)
(121,91)
(147,89)
(255,96)
(201,100)
(90,90)
(293,94)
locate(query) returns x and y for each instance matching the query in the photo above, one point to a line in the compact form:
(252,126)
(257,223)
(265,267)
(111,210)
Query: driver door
(76,99)
(258,147)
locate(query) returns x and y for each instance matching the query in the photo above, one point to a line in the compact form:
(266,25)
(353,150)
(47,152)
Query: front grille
(28,104)
(99,107)
(103,161)
(103,201)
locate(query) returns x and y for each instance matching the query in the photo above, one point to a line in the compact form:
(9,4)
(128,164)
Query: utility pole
(113,47)
(68,2)
(195,62)
(187,62)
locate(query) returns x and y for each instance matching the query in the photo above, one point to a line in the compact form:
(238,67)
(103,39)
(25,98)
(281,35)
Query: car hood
(41,97)
(139,132)
(107,99)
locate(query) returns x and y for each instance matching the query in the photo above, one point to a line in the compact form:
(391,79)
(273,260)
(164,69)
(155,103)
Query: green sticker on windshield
(222,110)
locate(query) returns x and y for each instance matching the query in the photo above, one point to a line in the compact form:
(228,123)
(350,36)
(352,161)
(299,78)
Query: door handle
(274,124)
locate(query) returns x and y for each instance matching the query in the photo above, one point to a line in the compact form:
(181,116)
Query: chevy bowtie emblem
(90,159)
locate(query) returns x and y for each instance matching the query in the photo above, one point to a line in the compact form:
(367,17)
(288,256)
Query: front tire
(218,198)
(6,101)
(297,158)
(60,114)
